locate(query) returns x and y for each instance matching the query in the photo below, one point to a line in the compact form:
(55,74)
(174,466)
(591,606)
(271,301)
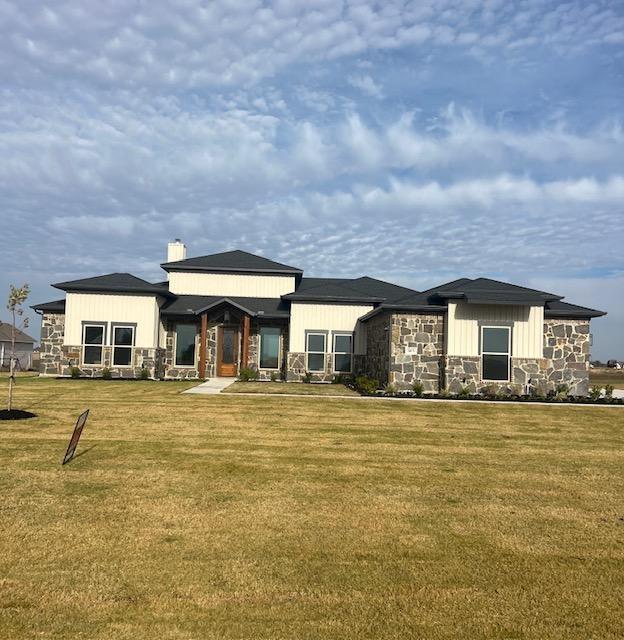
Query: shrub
(247,374)
(596,392)
(274,376)
(490,390)
(464,392)
(306,377)
(561,392)
(609,390)
(418,388)
(444,393)
(74,372)
(366,386)
(144,375)
(338,379)
(106,374)
(390,389)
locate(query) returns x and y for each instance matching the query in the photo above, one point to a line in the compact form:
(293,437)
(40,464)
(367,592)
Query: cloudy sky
(411,141)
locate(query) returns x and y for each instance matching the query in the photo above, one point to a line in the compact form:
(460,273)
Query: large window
(343,350)
(495,353)
(315,347)
(269,347)
(185,345)
(92,340)
(123,340)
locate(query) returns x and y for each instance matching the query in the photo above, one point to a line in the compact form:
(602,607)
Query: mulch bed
(16,414)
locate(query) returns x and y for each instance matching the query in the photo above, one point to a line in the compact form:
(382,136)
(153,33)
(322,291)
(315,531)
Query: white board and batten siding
(306,316)
(99,307)
(229,284)
(464,320)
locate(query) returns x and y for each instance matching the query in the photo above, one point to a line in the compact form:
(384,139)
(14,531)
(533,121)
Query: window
(185,345)
(270,347)
(93,340)
(123,339)
(315,347)
(495,352)
(343,349)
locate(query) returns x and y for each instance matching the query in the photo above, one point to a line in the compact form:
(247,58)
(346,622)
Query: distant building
(23,348)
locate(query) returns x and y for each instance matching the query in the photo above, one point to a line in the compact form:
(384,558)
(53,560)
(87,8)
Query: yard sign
(73,443)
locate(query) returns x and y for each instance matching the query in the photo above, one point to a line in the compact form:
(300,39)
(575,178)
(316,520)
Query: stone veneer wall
(422,334)
(51,359)
(58,359)
(296,368)
(565,361)
(376,363)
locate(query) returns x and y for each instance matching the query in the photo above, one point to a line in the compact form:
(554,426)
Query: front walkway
(212,386)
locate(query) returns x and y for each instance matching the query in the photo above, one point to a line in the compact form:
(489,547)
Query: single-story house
(23,348)
(217,314)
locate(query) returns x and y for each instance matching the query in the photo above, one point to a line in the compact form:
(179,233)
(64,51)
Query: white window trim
(334,352)
(101,345)
(497,353)
(122,346)
(175,350)
(316,333)
(279,350)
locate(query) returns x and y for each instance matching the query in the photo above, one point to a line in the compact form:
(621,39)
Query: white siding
(229,284)
(140,310)
(326,317)
(463,328)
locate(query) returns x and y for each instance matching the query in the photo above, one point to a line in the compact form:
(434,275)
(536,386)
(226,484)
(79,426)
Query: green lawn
(286,388)
(607,376)
(224,516)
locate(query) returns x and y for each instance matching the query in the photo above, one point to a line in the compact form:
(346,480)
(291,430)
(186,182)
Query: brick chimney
(176,250)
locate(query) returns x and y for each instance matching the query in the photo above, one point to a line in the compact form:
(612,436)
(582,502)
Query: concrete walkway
(212,386)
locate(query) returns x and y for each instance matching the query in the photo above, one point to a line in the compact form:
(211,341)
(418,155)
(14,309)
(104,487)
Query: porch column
(202,345)
(245,353)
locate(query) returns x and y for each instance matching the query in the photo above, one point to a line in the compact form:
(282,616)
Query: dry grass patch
(607,376)
(291,388)
(273,517)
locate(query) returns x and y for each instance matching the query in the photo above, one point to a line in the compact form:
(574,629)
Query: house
(23,348)
(219,313)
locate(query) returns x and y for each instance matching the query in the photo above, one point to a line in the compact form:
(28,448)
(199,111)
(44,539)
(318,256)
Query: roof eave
(172,266)
(344,299)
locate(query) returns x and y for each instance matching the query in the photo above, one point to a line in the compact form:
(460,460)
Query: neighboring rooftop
(20,336)
(231,261)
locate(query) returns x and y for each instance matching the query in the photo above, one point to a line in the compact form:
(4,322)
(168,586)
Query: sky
(415,142)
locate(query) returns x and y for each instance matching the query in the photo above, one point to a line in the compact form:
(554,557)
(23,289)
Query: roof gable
(236,261)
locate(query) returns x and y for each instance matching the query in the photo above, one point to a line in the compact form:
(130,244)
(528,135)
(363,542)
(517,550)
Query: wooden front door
(227,352)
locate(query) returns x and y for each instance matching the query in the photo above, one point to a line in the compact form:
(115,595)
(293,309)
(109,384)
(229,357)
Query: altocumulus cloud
(412,141)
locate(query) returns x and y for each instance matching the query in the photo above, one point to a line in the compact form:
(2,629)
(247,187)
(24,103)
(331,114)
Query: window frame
(114,327)
(279,348)
(507,353)
(308,352)
(335,335)
(85,325)
(175,347)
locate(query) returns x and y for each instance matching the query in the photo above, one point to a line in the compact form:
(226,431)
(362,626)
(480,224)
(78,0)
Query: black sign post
(73,443)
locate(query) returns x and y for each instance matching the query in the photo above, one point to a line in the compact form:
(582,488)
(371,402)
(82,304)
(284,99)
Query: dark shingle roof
(364,289)
(488,291)
(192,305)
(231,261)
(56,306)
(20,336)
(113,282)
(559,309)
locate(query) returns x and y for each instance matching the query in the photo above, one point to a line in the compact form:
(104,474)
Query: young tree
(17,297)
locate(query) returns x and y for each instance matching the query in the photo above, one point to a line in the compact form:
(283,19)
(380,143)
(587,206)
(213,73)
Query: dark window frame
(114,347)
(484,354)
(336,334)
(316,332)
(93,323)
(279,348)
